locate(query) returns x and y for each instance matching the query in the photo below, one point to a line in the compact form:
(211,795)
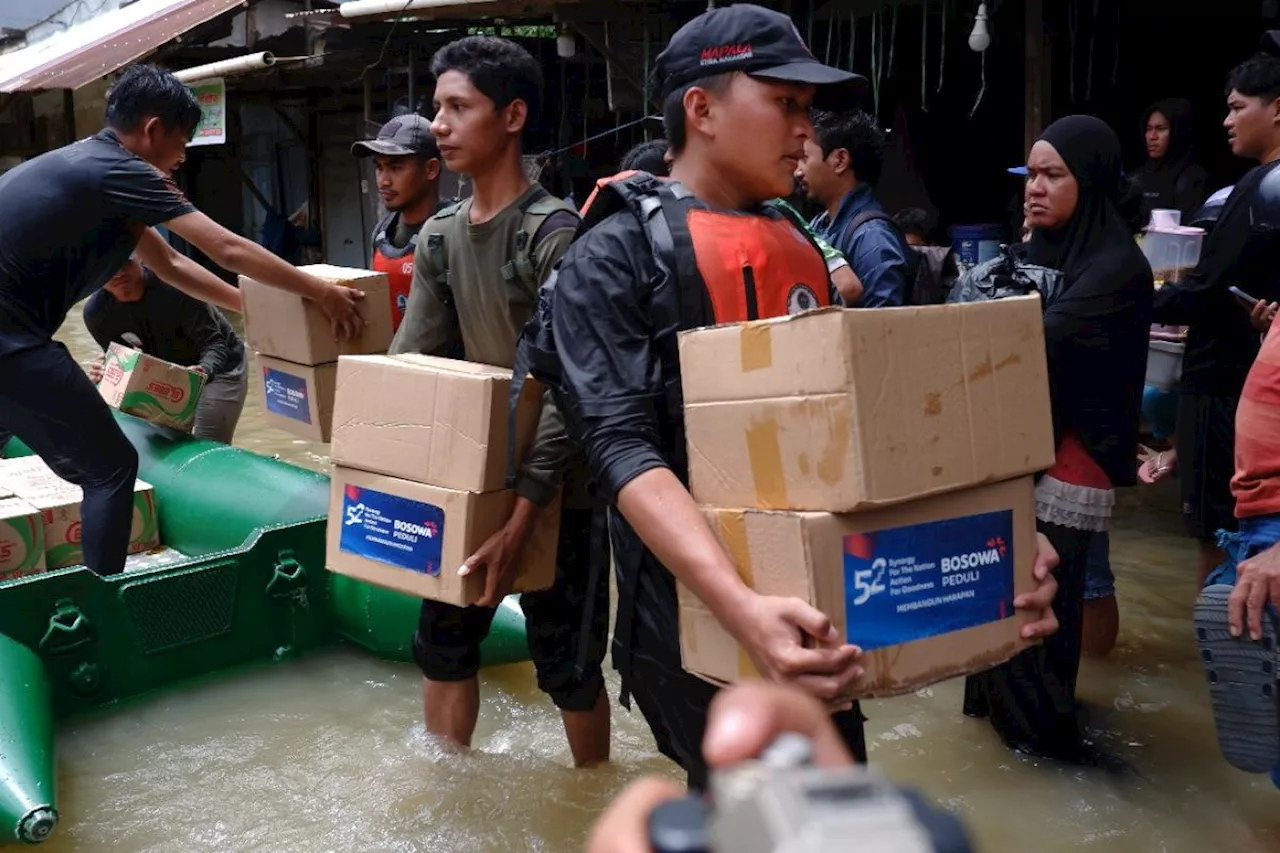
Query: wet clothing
(171,326)
(1096,342)
(1256,484)
(567,625)
(477,312)
(1099,579)
(74,432)
(1175,181)
(68,220)
(616,317)
(1205,438)
(875,249)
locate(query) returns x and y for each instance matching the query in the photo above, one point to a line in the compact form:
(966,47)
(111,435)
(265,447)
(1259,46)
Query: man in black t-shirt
(137,309)
(68,220)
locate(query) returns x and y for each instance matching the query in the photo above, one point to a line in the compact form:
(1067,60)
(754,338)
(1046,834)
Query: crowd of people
(592,302)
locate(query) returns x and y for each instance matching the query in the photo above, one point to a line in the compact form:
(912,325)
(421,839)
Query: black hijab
(1096,331)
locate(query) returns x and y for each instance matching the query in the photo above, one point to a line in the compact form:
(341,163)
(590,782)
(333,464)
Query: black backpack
(930,270)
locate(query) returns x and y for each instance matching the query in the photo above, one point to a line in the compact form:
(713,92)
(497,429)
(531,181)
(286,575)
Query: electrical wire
(386,41)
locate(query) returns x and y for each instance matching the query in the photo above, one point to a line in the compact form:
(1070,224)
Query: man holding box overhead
(476,275)
(68,220)
(661,257)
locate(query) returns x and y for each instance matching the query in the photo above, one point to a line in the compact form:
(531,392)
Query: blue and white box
(926,589)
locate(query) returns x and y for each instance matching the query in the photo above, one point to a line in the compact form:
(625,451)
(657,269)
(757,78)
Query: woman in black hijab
(1096,343)
(1170,179)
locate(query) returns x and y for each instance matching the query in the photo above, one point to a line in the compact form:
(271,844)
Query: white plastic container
(1164,364)
(1172,251)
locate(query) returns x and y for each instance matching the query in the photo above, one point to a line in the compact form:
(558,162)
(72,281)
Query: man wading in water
(69,219)
(475,282)
(738,84)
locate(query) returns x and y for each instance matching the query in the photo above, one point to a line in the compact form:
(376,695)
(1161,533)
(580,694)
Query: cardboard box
(842,410)
(413,538)
(150,388)
(59,505)
(284,325)
(21,539)
(926,588)
(298,398)
(430,420)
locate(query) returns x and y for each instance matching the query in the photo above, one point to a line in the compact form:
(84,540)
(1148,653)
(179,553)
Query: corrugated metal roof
(99,46)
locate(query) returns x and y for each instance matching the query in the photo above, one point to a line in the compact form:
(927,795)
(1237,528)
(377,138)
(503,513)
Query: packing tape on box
(733,532)
(764,453)
(757,347)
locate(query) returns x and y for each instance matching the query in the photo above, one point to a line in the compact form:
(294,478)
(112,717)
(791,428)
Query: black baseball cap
(758,41)
(406,134)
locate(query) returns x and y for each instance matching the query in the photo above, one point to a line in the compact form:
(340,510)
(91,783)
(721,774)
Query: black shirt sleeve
(197,322)
(97,310)
(134,190)
(611,376)
(1203,289)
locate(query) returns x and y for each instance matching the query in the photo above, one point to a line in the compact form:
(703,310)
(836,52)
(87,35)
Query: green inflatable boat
(250,587)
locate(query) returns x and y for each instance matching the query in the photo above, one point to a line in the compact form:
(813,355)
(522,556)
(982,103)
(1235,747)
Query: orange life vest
(397,263)
(752,265)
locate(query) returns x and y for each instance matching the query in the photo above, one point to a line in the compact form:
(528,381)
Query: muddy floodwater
(329,753)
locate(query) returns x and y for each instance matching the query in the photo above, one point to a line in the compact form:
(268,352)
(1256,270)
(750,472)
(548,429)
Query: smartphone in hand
(1243,298)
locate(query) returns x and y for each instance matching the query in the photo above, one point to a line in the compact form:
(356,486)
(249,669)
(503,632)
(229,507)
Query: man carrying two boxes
(443,527)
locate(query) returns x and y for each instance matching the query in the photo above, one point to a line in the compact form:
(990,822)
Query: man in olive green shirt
(476,273)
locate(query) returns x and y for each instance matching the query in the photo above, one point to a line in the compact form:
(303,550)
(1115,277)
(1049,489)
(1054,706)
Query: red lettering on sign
(73,534)
(6,550)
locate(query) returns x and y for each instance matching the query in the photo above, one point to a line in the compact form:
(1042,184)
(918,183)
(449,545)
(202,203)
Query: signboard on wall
(212,129)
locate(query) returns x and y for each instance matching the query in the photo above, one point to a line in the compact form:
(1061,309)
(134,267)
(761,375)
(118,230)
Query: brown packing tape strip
(756,343)
(733,532)
(764,452)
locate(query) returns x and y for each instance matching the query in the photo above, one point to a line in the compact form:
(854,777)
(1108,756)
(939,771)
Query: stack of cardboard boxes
(875,464)
(40,523)
(420,449)
(146,387)
(297,352)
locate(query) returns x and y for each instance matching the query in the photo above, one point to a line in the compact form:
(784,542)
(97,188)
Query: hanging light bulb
(566,44)
(980,38)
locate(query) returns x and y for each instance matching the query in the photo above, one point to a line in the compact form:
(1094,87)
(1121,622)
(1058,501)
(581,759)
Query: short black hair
(673,107)
(502,70)
(145,90)
(912,220)
(647,157)
(1258,77)
(856,132)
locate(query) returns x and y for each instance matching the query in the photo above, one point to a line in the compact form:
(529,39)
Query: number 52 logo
(869,581)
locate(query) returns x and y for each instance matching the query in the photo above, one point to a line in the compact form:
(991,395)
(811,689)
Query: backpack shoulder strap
(870,216)
(437,248)
(542,213)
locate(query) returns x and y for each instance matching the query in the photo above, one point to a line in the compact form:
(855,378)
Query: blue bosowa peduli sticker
(919,581)
(391,529)
(286,395)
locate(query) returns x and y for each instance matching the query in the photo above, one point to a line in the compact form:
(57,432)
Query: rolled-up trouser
(48,402)
(221,403)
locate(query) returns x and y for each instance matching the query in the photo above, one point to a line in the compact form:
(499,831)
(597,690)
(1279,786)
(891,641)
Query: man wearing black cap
(738,83)
(407,167)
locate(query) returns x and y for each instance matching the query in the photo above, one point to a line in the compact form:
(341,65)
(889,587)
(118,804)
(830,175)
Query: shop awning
(101,45)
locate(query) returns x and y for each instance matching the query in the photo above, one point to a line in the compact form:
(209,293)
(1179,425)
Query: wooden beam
(1037,76)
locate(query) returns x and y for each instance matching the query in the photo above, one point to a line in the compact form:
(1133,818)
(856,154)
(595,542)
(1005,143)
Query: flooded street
(329,753)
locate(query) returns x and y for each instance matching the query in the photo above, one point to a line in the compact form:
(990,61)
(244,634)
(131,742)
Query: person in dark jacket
(1170,179)
(1096,342)
(1241,250)
(737,85)
(137,309)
